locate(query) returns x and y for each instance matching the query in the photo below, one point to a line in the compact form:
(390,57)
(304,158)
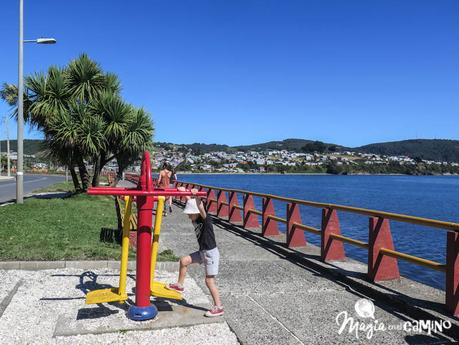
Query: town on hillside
(284,161)
(188,159)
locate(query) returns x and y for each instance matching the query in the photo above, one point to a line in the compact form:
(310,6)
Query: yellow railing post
(117,294)
(156,231)
(125,244)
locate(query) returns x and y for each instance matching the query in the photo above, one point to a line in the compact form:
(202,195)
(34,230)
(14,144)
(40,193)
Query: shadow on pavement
(405,308)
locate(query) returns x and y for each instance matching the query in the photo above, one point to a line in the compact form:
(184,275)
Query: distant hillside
(205,148)
(31,146)
(287,144)
(298,145)
(198,148)
(430,149)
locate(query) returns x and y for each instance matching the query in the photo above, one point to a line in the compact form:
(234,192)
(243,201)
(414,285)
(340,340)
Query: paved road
(31,183)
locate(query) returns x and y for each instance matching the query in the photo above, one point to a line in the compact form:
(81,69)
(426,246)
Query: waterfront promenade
(276,295)
(271,294)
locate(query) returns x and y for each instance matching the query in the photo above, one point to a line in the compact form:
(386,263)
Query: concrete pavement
(274,295)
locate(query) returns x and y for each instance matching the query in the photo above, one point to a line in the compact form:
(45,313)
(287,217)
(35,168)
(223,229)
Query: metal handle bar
(137,192)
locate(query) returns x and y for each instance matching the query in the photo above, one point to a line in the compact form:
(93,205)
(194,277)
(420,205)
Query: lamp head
(46,40)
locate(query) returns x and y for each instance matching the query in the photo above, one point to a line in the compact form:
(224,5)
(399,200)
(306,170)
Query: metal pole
(143,309)
(19,165)
(8,148)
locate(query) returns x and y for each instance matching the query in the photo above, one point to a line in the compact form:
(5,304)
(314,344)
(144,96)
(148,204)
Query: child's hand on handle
(202,209)
(182,189)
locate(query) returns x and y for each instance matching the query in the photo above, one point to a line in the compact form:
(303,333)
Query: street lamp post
(20,138)
(19,162)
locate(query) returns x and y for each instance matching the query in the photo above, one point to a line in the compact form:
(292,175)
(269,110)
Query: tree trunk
(76,183)
(84,175)
(119,174)
(97,169)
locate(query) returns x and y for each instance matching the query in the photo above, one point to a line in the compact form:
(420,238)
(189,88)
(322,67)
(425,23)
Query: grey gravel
(44,296)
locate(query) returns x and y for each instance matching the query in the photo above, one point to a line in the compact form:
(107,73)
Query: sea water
(434,197)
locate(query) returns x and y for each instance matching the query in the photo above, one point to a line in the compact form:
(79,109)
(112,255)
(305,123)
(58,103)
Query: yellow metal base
(159,289)
(105,296)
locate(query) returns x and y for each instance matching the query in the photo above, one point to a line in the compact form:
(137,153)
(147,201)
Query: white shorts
(210,258)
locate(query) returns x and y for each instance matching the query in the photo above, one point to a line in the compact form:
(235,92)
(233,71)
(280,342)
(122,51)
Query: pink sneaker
(175,287)
(215,311)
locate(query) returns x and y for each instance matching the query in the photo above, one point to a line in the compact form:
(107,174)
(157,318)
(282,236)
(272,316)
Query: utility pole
(19,164)
(20,136)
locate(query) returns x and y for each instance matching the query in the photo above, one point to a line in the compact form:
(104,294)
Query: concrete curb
(107,264)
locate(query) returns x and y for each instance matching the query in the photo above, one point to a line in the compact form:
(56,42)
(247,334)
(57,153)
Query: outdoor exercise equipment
(146,195)
(117,294)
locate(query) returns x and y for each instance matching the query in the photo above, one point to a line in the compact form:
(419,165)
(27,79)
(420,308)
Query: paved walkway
(273,295)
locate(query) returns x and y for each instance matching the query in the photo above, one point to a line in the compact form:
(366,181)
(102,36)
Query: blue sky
(246,71)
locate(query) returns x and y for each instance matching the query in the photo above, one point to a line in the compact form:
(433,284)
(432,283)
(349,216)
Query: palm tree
(54,95)
(137,139)
(9,93)
(86,83)
(83,118)
(78,133)
(116,116)
(50,98)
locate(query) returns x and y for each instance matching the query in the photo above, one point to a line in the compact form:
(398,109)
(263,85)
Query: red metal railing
(382,256)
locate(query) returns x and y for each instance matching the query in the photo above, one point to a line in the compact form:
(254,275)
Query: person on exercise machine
(207,254)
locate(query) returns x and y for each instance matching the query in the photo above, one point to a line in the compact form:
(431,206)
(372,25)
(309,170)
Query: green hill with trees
(428,149)
(31,146)
(297,145)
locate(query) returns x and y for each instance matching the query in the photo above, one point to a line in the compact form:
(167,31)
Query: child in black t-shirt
(208,252)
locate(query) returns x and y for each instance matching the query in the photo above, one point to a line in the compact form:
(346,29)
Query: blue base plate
(142,313)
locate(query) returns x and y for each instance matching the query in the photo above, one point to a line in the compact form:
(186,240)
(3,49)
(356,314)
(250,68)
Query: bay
(435,197)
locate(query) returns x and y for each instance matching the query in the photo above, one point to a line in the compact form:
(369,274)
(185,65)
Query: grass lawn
(60,229)
(58,187)
(63,186)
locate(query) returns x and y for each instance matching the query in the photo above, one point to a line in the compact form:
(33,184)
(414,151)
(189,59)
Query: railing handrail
(450,226)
